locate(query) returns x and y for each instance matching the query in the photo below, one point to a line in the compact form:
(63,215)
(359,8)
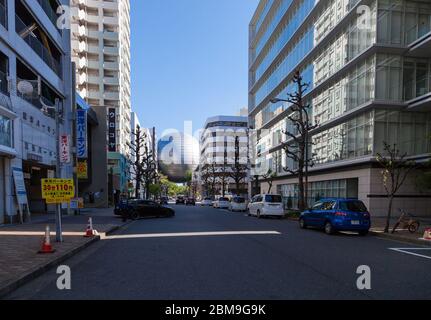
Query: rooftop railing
(38,47)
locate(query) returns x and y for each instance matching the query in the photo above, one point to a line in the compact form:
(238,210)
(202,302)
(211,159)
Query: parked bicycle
(407,221)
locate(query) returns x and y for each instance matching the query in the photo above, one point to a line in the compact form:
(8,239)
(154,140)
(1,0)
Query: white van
(264,205)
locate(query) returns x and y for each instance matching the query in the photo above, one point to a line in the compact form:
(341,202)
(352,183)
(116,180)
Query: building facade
(101,51)
(35,71)
(223,144)
(368,65)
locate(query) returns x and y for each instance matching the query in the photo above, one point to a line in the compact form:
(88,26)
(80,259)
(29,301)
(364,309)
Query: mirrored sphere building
(178,153)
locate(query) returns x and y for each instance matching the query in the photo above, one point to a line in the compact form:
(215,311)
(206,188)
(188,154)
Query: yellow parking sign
(56,191)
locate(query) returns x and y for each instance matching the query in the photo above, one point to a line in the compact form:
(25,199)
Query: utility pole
(74,135)
(58,217)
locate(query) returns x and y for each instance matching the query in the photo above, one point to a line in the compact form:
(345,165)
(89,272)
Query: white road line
(407,251)
(191,234)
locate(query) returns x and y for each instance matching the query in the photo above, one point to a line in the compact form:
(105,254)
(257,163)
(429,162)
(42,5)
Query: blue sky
(189,60)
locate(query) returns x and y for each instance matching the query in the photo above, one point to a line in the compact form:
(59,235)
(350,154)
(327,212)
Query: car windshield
(273,199)
(239,200)
(354,206)
(223,199)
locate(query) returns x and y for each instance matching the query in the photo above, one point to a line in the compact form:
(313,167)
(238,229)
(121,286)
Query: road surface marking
(407,251)
(191,234)
(37,233)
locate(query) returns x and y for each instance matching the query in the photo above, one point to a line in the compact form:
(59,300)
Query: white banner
(65,156)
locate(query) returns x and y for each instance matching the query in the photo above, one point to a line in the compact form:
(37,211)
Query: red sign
(65,156)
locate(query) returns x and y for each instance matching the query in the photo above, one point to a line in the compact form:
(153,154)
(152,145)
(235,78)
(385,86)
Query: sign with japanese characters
(65,156)
(112,130)
(81,134)
(82,169)
(56,191)
(21,192)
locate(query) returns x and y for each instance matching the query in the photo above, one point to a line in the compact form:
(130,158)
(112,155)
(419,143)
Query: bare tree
(136,147)
(297,147)
(209,178)
(145,168)
(396,169)
(223,173)
(239,171)
(269,178)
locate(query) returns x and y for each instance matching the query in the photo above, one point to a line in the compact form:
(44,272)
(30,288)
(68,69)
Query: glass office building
(368,66)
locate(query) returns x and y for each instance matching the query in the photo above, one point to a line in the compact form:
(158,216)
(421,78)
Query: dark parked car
(338,214)
(181,200)
(123,206)
(190,202)
(147,208)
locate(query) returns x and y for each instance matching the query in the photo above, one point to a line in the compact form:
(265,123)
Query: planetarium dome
(178,153)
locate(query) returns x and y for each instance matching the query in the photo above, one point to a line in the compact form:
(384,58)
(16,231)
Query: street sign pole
(58,217)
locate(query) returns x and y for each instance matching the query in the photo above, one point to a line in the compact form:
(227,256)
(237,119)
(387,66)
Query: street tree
(298,142)
(137,149)
(144,164)
(269,178)
(223,172)
(209,178)
(395,170)
(239,170)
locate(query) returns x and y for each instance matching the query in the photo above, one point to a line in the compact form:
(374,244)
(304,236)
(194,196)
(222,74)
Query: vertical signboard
(81,134)
(65,156)
(20,189)
(112,132)
(82,170)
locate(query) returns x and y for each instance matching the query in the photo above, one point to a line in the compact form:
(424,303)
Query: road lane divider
(408,251)
(189,234)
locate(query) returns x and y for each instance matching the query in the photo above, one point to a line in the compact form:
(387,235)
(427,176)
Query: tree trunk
(389,217)
(301,200)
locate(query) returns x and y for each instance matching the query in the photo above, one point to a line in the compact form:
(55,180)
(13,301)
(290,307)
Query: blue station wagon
(337,214)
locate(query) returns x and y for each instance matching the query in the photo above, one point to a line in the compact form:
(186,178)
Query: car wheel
(258,214)
(329,229)
(134,215)
(302,224)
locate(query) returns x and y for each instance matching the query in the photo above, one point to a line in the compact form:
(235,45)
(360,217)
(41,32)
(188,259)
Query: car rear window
(273,199)
(239,200)
(354,206)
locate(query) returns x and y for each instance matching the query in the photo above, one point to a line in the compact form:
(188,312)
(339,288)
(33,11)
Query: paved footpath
(19,245)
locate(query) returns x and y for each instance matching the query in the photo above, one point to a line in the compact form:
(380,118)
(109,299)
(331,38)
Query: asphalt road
(142,262)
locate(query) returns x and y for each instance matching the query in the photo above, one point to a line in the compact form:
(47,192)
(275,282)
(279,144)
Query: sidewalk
(378,226)
(19,244)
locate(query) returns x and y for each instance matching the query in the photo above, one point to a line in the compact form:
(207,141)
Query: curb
(14,285)
(400,239)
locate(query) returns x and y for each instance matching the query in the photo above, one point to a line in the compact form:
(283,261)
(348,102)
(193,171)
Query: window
(354,206)
(5,131)
(273,199)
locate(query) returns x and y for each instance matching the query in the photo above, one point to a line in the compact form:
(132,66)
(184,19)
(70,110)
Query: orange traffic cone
(46,245)
(90,232)
(427,234)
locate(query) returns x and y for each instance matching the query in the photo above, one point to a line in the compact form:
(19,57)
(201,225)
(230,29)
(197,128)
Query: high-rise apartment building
(35,72)
(369,69)
(101,51)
